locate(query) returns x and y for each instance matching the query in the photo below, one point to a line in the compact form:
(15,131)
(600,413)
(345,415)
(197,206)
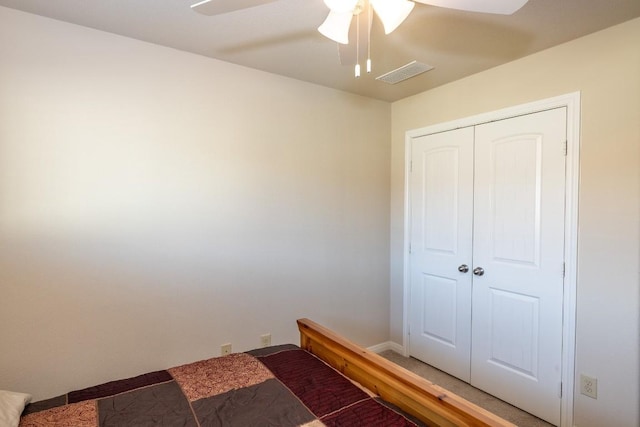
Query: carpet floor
(472,394)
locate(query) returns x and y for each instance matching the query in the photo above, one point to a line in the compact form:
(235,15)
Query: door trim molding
(572,102)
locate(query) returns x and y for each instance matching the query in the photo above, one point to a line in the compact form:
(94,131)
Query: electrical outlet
(225,349)
(265,340)
(589,386)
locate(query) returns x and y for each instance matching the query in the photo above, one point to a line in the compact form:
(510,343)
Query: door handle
(463,268)
(478,271)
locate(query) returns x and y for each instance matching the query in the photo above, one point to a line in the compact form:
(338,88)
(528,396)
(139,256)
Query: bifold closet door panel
(441,234)
(518,242)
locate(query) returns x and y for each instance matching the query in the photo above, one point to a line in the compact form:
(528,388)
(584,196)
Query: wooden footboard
(428,402)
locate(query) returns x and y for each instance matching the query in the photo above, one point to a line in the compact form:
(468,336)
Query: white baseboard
(389,345)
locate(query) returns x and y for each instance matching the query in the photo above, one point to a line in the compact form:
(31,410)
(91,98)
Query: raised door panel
(515,195)
(514,332)
(440,200)
(439,297)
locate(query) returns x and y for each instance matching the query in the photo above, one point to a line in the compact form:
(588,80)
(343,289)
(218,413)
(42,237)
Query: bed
(326,381)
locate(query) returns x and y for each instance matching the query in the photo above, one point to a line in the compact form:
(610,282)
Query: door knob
(478,271)
(463,268)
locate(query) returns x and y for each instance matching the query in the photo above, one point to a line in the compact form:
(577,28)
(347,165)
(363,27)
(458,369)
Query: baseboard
(389,345)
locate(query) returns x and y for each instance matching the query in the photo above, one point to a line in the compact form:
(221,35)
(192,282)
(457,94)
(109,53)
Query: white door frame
(572,102)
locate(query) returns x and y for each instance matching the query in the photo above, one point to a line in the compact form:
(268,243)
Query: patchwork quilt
(275,386)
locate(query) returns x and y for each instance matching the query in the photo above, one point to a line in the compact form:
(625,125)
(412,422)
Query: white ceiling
(281,37)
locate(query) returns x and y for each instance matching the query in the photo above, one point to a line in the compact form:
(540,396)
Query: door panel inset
(514,332)
(516,181)
(440,210)
(439,301)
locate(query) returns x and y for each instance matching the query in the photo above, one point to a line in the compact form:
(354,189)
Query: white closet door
(519,243)
(441,232)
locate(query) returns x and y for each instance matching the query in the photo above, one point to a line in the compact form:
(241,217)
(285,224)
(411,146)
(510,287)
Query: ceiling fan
(337,26)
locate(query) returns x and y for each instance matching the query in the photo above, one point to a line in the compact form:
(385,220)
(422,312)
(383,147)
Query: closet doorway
(487,262)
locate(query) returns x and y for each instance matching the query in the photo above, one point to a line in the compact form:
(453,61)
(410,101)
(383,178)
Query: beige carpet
(472,394)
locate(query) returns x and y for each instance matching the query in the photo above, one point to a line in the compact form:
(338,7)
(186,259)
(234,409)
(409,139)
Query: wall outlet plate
(589,386)
(265,340)
(225,349)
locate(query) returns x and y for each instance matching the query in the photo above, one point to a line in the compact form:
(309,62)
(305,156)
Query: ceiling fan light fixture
(341,6)
(392,13)
(336,26)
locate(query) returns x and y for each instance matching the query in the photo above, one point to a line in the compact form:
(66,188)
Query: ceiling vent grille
(405,72)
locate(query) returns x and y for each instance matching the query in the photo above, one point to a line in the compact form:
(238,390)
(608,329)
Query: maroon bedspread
(275,386)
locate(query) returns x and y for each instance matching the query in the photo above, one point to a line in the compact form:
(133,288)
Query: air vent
(405,72)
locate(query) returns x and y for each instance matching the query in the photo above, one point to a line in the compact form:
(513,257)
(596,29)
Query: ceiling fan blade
(218,7)
(392,13)
(502,7)
(336,26)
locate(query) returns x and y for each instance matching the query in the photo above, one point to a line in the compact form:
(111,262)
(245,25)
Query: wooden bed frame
(428,402)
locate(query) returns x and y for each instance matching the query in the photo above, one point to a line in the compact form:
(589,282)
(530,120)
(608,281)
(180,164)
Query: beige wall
(156,204)
(605,68)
